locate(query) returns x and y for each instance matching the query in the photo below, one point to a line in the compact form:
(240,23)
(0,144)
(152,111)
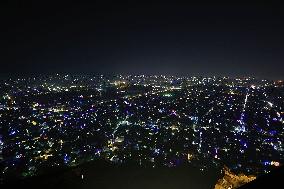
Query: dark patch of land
(103,175)
(274,179)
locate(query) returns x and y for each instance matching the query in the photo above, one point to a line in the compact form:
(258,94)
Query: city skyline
(113,94)
(146,121)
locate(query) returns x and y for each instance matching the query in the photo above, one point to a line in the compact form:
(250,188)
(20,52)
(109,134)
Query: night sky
(157,38)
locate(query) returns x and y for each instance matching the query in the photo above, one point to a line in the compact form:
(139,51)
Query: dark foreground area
(104,175)
(274,179)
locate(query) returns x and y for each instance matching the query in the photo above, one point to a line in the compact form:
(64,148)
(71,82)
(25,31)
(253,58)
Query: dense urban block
(145,120)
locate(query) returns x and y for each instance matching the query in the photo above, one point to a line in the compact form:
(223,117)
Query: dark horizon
(4,76)
(171,39)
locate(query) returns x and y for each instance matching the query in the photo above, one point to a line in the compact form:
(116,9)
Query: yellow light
(275,163)
(189,157)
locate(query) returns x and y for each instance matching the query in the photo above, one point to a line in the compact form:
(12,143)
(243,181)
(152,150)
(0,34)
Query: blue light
(66,159)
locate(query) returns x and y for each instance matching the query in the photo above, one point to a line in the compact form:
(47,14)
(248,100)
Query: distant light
(167,95)
(270,104)
(253,86)
(189,156)
(275,163)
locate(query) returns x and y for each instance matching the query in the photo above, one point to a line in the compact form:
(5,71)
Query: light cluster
(151,121)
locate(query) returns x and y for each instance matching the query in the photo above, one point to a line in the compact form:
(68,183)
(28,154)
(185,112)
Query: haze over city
(141,38)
